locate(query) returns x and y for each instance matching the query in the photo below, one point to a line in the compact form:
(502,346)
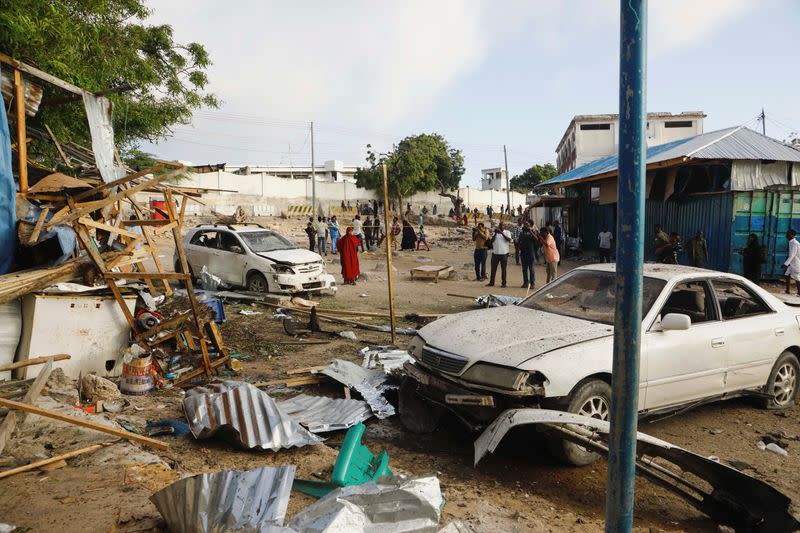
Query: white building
(332,171)
(590,137)
(493,179)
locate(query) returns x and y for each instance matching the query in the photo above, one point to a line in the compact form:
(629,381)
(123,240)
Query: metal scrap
(371,384)
(244,414)
(386,505)
(389,358)
(254,500)
(320,414)
(497,300)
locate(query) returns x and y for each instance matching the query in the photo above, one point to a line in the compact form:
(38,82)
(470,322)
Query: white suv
(256,258)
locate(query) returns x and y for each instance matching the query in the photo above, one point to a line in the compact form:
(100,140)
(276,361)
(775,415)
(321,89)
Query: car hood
(297,256)
(509,335)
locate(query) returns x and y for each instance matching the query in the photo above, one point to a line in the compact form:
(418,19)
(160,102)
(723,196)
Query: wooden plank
(163,326)
(54,459)
(306,370)
(145,275)
(158,222)
(121,302)
(89,246)
(37,229)
(196,372)
(32,409)
(42,75)
(294,382)
(10,421)
(116,183)
(86,221)
(58,146)
(34,361)
(22,146)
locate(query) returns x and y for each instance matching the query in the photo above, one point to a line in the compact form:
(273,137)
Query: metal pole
(630,257)
(313,176)
(388,248)
(508,186)
(763,122)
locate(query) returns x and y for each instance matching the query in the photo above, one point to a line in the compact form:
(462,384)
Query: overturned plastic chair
(354,465)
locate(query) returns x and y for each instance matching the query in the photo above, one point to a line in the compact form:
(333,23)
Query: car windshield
(265,241)
(588,294)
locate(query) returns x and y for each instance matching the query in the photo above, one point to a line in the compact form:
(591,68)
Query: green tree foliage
(419,163)
(532,177)
(100,45)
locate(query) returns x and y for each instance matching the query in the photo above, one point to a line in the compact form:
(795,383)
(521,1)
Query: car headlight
(496,376)
(283,269)
(415,347)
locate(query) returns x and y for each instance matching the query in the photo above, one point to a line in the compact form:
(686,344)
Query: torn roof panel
(320,414)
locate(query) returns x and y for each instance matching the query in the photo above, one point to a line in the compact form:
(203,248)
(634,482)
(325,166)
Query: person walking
(558,235)
(752,257)
(481,237)
(396,229)
(334,232)
(792,262)
(698,250)
(311,232)
(368,229)
(516,230)
(500,241)
(358,230)
(604,239)
(526,246)
(322,236)
(378,234)
(348,256)
(551,255)
(409,240)
(422,239)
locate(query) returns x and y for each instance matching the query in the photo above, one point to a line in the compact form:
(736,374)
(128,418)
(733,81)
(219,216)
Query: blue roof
(731,143)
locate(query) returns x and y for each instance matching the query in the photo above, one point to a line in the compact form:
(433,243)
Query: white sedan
(706,336)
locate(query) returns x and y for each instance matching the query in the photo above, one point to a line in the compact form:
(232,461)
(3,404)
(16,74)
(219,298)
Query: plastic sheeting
(8,215)
(755,175)
(320,414)
(99,110)
(255,500)
(386,505)
(244,414)
(371,384)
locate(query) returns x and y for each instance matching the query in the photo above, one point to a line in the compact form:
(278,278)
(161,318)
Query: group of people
(528,241)
(368,232)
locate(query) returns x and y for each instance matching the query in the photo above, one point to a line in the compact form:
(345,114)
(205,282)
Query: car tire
(783,382)
(256,282)
(417,414)
(590,398)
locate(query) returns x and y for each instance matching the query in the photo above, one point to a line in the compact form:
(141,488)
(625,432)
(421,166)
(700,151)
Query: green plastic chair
(354,465)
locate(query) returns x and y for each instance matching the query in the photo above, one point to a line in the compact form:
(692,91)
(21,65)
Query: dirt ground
(519,488)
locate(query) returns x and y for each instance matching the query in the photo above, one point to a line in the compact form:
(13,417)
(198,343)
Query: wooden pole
(389,276)
(54,459)
(36,361)
(22,147)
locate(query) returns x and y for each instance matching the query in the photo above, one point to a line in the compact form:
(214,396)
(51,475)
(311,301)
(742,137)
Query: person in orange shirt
(551,255)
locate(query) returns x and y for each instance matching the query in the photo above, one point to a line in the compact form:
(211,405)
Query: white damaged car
(706,336)
(255,258)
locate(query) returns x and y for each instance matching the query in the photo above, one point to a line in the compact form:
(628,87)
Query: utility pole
(313,176)
(508,186)
(763,118)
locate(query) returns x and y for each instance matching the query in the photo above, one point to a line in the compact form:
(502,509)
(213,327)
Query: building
(590,137)
(331,171)
(493,179)
(727,183)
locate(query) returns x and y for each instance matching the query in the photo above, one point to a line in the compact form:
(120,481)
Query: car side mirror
(675,321)
(236,249)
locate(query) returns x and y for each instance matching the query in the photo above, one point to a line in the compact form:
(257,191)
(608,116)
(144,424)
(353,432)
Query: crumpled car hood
(298,256)
(509,335)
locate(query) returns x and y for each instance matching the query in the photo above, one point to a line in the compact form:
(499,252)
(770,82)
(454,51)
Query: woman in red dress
(348,256)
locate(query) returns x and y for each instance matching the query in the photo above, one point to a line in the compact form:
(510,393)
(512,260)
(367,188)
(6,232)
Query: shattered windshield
(265,241)
(588,294)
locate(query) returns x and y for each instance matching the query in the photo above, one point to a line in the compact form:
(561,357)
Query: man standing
(358,230)
(500,241)
(558,235)
(661,243)
(481,237)
(525,246)
(698,250)
(322,236)
(516,230)
(311,232)
(551,255)
(792,262)
(348,256)
(334,232)
(604,239)
(435,210)
(489,212)
(368,231)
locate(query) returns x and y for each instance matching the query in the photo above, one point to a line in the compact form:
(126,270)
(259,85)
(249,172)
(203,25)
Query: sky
(482,73)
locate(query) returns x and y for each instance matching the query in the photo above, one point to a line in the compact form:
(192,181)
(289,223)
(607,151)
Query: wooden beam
(34,361)
(116,183)
(10,421)
(121,302)
(37,229)
(58,146)
(54,459)
(86,221)
(168,324)
(145,275)
(158,222)
(42,75)
(295,382)
(82,422)
(22,147)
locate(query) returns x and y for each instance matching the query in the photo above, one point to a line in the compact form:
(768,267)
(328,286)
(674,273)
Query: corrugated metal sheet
(244,414)
(388,357)
(227,501)
(730,143)
(371,384)
(320,414)
(755,175)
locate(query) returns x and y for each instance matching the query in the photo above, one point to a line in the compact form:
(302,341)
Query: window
(678,124)
(692,299)
(228,241)
(209,239)
(266,241)
(595,126)
(736,301)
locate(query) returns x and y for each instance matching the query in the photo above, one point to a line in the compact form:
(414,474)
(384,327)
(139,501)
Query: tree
(419,163)
(532,177)
(100,45)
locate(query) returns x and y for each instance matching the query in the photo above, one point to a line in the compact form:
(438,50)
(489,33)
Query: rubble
(94,388)
(371,384)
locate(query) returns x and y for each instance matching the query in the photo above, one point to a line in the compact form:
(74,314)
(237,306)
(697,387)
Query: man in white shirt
(604,239)
(792,263)
(500,241)
(322,236)
(358,230)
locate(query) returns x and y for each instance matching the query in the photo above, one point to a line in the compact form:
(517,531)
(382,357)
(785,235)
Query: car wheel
(257,283)
(416,414)
(592,399)
(783,382)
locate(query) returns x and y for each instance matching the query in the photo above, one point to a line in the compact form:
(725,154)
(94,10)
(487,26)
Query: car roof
(237,228)
(665,271)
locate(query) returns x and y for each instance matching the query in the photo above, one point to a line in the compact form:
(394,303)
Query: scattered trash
(348,335)
(168,426)
(715,431)
(320,414)
(251,500)
(497,300)
(774,448)
(354,465)
(388,357)
(280,315)
(94,388)
(399,331)
(112,405)
(248,312)
(371,384)
(386,505)
(363,295)
(245,415)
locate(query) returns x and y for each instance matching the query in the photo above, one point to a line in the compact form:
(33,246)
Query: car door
(232,259)
(200,250)
(686,365)
(755,338)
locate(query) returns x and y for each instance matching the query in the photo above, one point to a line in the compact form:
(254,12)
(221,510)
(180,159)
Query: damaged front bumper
(294,283)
